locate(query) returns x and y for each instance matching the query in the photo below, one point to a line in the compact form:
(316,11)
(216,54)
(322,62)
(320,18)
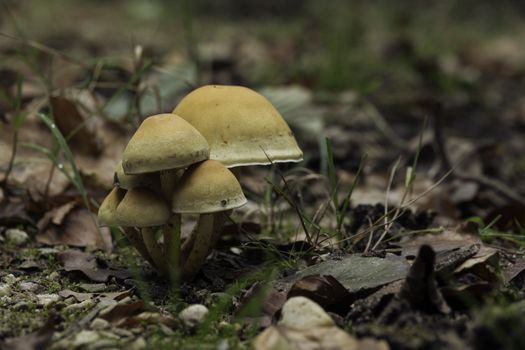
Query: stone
(138,344)
(5,289)
(16,237)
(53,276)
(193,315)
(302,313)
(10,279)
(99,324)
(84,338)
(84,305)
(92,287)
(47,299)
(28,286)
(21,306)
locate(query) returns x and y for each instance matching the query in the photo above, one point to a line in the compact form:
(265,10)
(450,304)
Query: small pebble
(303,313)
(28,286)
(21,306)
(193,315)
(166,330)
(16,237)
(138,344)
(84,338)
(53,276)
(92,287)
(123,333)
(5,300)
(47,299)
(86,304)
(99,324)
(10,279)
(5,289)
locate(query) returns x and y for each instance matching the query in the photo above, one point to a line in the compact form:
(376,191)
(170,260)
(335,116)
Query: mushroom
(144,209)
(165,143)
(212,191)
(107,216)
(241,126)
(127,182)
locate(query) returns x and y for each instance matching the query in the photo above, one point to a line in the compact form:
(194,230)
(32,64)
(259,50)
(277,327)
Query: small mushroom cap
(142,208)
(162,142)
(108,208)
(207,187)
(128,181)
(241,126)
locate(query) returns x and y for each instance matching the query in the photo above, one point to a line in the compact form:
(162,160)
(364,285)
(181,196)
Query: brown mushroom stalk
(210,190)
(144,209)
(107,216)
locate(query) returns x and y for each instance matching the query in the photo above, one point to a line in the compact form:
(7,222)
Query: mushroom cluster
(178,163)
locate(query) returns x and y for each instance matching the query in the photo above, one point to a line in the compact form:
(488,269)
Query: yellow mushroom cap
(162,142)
(128,181)
(241,126)
(207,187)
(108,208)
(142,208)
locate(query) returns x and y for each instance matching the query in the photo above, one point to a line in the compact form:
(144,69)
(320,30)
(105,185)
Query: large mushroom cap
(108,209)
(142,208)
(163,141)
(241,126)
(207,187)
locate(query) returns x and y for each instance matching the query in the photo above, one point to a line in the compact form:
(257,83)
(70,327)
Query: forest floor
(405,222)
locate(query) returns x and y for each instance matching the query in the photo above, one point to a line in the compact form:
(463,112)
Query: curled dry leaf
(74,260)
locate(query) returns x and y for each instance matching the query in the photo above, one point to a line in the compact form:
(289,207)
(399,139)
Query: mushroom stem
(172,248)
(218,222)
(201,246)
(148,236)
(135,239)
(204,237)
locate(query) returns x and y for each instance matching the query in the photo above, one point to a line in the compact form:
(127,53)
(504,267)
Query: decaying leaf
(66,293)
(325,291)
(74,260)
(76,227)
(75,127)
(355,272)
(132,314)
(305,325)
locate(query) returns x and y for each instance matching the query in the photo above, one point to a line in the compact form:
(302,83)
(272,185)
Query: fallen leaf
(68,118)
(305,325)
(74,260)
(66,293)
(133,314)
(355,272)
(325,291)
(78,229)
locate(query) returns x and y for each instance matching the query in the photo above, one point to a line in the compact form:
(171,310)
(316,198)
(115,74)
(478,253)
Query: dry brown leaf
(74,260)
(78,229)
(66,293)
(133,314)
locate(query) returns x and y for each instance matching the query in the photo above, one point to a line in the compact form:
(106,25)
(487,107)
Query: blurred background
(379,78)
